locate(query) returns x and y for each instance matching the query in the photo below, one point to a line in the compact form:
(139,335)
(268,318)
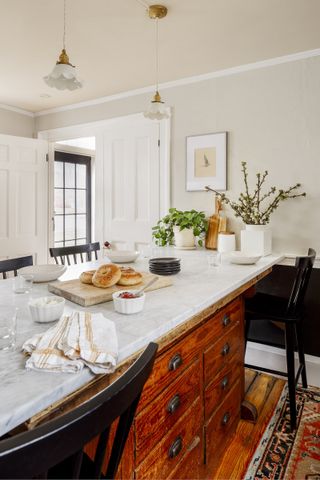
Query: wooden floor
(264,392)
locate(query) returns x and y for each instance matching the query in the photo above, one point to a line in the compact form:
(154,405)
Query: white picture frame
(206,161)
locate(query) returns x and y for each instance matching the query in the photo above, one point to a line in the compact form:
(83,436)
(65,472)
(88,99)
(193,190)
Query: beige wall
(13,123)
(272,116)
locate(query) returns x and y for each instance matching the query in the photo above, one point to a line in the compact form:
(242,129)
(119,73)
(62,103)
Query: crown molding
(17,110)
(175,83)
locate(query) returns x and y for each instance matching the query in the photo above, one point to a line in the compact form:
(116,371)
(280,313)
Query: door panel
(23,197)
(131,182)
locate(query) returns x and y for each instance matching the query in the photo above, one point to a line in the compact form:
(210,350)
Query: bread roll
(129,277)
(86,277)
(106,275)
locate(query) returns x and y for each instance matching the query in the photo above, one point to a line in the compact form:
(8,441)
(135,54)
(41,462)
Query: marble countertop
(25,393)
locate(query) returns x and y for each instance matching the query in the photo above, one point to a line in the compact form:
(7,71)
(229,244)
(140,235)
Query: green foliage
(163,231)
(253,208)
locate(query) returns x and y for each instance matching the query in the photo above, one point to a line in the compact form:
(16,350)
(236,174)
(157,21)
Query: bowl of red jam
(127,301)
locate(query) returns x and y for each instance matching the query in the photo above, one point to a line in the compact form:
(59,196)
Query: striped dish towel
(75,341)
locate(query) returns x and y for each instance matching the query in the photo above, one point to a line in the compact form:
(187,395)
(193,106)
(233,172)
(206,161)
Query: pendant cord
(157,54)
(64,24)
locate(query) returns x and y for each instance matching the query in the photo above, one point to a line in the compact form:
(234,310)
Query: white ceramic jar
(226,242)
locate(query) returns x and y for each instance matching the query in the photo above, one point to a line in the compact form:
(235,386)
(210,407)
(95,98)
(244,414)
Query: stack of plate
(164,266)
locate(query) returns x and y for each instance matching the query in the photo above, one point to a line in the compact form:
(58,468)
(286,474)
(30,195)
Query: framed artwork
(207,161)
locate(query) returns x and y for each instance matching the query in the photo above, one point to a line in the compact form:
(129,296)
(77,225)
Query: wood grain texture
(257,395)
(88,295)
(247,435)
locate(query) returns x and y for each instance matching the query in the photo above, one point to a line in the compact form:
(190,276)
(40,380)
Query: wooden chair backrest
(303,267)
(83,251)
(33,453)
(13,264)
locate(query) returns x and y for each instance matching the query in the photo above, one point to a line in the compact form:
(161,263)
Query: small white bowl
(241,258)
(122,256)
(128,305)
(46,309)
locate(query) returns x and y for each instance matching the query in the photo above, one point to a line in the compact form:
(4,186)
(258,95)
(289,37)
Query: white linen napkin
(75,341)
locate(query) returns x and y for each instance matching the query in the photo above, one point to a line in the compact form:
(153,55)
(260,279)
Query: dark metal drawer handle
(226,320)
(226,418)
(226,349)
(174,404)
(175,448)
(224,383)
(175,362)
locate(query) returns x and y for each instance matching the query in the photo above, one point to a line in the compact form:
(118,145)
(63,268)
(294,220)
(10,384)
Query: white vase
(256,239)
(183,238)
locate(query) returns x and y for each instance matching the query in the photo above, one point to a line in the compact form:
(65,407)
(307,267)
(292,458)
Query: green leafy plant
(163,231)
(255,208)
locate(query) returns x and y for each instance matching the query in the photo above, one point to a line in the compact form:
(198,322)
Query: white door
(131,184)
(23,198)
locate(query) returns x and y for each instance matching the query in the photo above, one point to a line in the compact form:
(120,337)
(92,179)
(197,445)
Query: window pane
(58,244)
(58,174)
(70,244)
(69,175)
(58,229)
(58,200)
(70,227)
(70,203)
(81,201)
(81,226)
(81,241)
(81,176)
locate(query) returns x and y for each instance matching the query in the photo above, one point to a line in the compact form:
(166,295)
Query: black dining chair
(13,264)
(277,321)
(59,443)
(83,251)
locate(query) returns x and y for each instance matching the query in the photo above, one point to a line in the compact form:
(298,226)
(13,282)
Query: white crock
(256,239)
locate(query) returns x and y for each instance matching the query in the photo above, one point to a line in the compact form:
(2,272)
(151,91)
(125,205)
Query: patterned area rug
(284,455)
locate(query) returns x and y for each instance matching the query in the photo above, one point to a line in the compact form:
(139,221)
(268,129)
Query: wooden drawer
(191,463)
(164,458)
(218,355)
(220,427)
(219,388)
(154,421)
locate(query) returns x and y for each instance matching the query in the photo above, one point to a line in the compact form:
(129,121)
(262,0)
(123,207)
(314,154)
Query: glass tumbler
(22,283)
(214,259)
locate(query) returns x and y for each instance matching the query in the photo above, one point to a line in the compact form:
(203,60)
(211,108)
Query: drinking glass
(8,320)
(214,259)
(23,283)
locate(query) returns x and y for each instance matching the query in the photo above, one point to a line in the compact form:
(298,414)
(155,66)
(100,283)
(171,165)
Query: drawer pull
(175,448)
(225,350)
(226,320)
(224,383)
(226,418)
(174,404)
(175,362)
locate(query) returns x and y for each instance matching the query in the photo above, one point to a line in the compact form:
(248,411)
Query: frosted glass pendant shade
(157,109)
(64,75)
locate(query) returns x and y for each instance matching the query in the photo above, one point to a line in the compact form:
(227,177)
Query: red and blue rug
(285,455)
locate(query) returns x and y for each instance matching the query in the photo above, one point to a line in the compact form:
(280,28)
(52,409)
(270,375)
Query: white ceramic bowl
(46,309)
(122,256)
(128,305)
(44,273)
(241,258)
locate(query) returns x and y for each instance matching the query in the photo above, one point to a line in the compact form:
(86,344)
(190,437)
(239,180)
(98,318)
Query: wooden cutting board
(86,295)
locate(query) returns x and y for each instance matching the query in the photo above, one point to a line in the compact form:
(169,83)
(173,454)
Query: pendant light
(157,109)
(63,76)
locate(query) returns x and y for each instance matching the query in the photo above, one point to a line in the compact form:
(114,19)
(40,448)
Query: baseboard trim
(275,359)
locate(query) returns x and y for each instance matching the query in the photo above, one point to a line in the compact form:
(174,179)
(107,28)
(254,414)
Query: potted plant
(180,228)
(255,209)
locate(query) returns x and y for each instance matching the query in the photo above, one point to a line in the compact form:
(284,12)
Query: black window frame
(77,159)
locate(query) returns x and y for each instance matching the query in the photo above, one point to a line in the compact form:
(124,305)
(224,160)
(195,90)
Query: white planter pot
(183,238)
(256,239)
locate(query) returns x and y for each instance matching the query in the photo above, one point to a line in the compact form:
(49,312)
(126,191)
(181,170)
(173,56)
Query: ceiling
(112,42)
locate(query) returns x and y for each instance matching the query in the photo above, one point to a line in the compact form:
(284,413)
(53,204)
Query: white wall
(13,123)
(272,116)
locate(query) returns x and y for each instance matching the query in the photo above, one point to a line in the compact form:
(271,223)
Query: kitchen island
(191,403)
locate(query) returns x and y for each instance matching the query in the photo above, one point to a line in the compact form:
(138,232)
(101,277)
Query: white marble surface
(25,393)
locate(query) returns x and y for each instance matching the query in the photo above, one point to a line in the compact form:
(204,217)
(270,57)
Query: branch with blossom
(253,208)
